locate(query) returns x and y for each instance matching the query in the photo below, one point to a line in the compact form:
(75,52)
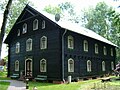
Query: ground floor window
(43,65)
(103,65)
(16,65)
(70,65)
(112,66)
(88,66)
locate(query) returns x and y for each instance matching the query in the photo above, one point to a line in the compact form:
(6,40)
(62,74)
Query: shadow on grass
(41,83)
(4,83)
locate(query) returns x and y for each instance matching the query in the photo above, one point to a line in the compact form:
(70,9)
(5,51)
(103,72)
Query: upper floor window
(70,65)
(24,28)
(112,66)
(105,50)
(43,65)
(16,65)
(96,48)
(111,51)
(43,42)
(29,45)
(85,44)
(70,42)
(18,32)
(88,66)
(17,47)
(35,24)
(103,65)
(43,24)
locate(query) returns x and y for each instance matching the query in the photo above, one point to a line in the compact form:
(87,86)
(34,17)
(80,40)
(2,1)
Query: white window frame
(103,65)
(104,50)
(70,66)
(35,24)
(70,42)
(85,44)
(16,66)
(18,32)
(29,44)
(43,24)
(24,28)
(112,65)
(43,44)
(96,49)
(43,69)
(17,50)
(111,51)
(89,66)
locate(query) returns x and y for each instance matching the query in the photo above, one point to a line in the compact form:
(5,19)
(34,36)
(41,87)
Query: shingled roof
(76,28)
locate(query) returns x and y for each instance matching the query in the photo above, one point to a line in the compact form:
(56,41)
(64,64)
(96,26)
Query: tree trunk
(5,16)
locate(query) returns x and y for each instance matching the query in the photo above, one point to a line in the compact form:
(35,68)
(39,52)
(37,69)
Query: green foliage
(105,21)
(16,8)
(66,11)
(4,85)
(52,10)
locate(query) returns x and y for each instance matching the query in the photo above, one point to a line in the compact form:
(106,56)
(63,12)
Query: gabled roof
(76,28)
(66,25)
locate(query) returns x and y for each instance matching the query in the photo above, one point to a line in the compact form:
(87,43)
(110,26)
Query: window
(111,51)
(29,45)
(85,45)
(16,65)
(24,28)
(18,32)
(43,24)
(103,65)
(88,66)
(96,48)
(104,50)
(70,65)
(17,47)
(112,66)
(35,24)
(43,65)
(70,42)
(43,42)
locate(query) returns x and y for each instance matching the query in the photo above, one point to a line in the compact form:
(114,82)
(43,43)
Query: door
(28,68)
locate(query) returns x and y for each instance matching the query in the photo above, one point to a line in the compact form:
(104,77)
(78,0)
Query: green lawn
(3,76)
(71,86)
(4,85)
(81,85)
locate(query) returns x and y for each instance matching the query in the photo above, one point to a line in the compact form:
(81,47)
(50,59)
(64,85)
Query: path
(16,85)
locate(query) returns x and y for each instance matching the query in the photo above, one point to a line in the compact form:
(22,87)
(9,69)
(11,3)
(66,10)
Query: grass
(4,85)
(50,86)
(81,85)
(3,76)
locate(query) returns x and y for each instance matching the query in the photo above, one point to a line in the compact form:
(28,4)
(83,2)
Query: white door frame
(25,64)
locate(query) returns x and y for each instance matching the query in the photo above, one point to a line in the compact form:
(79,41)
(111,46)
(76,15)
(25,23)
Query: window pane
(24,28)
(70,42)
(43,65)
(70,65)
(43,42)
(29,45)
(35,24)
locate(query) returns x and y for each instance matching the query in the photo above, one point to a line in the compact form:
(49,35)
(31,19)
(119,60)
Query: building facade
(41,46)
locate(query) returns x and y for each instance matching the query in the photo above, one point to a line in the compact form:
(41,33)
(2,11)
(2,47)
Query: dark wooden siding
(80,57)
(52,54)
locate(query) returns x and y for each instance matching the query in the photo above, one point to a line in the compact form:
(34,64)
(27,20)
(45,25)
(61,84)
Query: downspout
(63,55)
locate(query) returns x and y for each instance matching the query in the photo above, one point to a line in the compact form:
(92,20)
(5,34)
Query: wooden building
(39,45)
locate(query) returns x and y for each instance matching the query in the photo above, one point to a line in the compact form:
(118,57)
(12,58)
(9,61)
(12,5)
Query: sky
(78,5)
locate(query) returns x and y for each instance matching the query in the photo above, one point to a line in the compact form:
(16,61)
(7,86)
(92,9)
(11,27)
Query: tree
(12,15)
(102,22)
(66,11)
(5,16)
